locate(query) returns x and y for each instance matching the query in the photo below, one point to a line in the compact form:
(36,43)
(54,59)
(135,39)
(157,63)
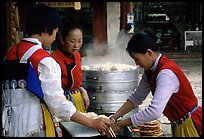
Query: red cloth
(72,77)
(184,100)
(23,47)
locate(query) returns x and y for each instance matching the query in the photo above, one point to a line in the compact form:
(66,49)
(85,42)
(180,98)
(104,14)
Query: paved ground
(192,67)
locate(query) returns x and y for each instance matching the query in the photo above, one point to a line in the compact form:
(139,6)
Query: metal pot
(108,90)
(107,102)
(106,81)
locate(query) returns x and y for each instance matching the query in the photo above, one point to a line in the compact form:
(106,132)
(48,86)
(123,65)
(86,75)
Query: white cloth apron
(22,116)
(22,113)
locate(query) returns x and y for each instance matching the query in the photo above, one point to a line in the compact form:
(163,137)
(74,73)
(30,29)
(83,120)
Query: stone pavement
(192,67)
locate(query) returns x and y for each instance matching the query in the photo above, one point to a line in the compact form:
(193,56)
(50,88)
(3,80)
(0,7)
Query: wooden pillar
(11,24)
(125,9)
(100,22)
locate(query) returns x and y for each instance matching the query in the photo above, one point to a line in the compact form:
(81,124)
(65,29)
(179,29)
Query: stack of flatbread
(151,129)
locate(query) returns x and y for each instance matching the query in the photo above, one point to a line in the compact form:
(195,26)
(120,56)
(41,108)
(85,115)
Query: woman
(69,59)
(32,94)
(172,93)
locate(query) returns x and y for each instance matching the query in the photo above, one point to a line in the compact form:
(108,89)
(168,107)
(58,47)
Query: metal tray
(78,130)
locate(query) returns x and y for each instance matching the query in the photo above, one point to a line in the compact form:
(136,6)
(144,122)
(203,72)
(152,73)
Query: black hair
(42,18)
(141,41)
(67,27)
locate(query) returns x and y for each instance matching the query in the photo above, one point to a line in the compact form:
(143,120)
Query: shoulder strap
(29,53)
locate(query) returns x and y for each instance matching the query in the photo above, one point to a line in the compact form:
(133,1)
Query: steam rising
(101,53)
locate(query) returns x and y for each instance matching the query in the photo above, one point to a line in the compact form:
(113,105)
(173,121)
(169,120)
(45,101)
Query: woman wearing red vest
(172,92)
(69,59)
(32,93)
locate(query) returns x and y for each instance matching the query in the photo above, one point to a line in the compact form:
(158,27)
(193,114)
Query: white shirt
(167,83)
(50,78)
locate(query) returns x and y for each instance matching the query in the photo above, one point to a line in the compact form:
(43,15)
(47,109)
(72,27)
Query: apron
(23,105)
(184,126)
(76,98)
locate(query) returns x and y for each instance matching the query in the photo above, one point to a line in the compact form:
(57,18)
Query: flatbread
(151,129)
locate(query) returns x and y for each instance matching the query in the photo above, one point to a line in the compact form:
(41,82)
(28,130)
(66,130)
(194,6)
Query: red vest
(184,100)
(22,48)
(71,70)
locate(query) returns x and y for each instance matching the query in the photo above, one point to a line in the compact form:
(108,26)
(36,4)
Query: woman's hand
(85,97)
(102,124)
(116,127)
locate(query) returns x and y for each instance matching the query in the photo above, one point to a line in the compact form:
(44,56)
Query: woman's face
(73,41)
(143,60)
